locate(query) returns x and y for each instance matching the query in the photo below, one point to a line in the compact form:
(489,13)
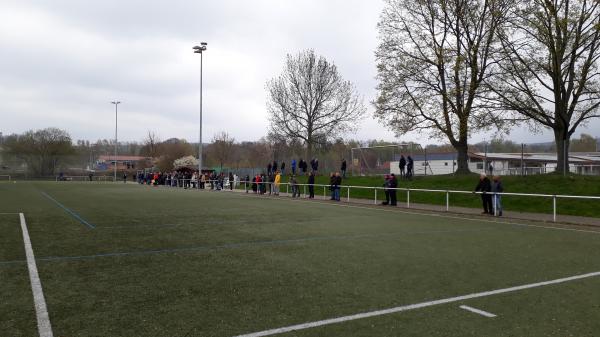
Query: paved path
(540,217)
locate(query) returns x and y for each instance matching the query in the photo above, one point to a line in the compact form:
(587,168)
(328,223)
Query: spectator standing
(231,179)
(269,168)
(485,187)
(409,167)
(295,189)
(255,184)
(337,185)
(497,187)
(283,168)
(393,184)
(386,190)
(277,182)
(311,185)
(343,168)
(332,185)
(124,177)
(304,167)
(270,181)
(294,166)
(402,166)
(274,168)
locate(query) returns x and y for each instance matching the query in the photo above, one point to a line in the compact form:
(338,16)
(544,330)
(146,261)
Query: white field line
(400,210)
(309,325)
(477,311)
(43,320)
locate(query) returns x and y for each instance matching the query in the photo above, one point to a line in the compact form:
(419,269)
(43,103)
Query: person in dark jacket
(485,187)
(393,184)
(344,165)
(269,168)
(274,167)
(402,166)
(311,185)
(386,190)
(409,167)
(337,185)
(304,167)
(231,181)
(497,188)
(282,168)
(331,185)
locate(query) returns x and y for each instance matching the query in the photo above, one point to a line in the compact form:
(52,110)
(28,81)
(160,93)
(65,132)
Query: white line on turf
(309,325)
(477,311)
(43,320)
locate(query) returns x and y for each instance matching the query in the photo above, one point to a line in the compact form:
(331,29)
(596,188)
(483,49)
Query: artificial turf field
(131,260)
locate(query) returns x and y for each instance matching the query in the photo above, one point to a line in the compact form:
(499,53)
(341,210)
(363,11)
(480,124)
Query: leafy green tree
(42,150)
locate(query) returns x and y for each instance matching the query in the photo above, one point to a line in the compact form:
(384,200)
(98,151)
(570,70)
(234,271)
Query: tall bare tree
(151,144)
(221,149)
(310,101)
(550,66)
(432,61)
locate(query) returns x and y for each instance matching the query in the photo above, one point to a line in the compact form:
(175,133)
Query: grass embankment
(536,184)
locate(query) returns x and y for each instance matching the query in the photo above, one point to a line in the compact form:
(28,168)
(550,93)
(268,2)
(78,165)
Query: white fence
(447,193)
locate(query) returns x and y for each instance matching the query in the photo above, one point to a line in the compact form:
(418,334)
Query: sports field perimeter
(132,260)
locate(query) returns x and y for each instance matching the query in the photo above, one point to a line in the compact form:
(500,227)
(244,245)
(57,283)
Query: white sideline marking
(309,325)
(477,311)
(43,320)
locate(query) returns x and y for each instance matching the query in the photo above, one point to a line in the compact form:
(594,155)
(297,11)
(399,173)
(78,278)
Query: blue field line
(242,245)
(73,214)
(2,263)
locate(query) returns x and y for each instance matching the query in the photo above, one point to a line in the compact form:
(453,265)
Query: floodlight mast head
(201,48)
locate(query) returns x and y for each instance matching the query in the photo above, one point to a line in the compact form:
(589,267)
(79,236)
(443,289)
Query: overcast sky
(62,62)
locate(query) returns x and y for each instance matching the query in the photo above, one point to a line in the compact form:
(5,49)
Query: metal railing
(347,189)
(267,188)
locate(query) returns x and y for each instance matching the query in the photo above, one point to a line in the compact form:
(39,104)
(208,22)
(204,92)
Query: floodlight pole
(199,50)
(116,103)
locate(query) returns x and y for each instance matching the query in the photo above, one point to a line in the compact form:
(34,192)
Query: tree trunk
(309,152)
(463,158)
(562,151)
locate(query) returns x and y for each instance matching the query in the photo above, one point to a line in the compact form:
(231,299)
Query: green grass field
(131,260)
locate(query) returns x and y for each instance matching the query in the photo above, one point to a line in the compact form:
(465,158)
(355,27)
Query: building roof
(122,158)
(576,158)
(431,156)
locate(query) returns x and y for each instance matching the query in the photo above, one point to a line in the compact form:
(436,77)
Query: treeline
(48,151)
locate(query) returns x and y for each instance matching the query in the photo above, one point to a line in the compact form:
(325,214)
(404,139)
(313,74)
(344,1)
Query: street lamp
(199,50)
(116,103)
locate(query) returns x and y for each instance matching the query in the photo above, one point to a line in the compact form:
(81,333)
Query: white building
(502,163)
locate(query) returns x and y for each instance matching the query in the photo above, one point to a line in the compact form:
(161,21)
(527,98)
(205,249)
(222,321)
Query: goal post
(5,177)
(376,160)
